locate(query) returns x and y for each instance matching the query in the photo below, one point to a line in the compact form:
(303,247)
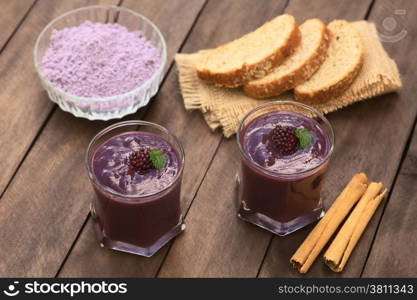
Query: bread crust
(238,77)
(331,91)
(294,78)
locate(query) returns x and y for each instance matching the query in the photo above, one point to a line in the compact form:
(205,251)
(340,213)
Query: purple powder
(99,60)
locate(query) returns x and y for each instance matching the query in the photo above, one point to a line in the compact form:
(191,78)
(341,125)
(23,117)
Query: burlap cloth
(224,107)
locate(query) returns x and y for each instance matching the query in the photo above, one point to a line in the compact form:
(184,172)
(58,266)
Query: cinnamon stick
(304,257)
(342,246)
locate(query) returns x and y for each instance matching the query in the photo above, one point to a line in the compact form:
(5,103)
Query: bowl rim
(75,98)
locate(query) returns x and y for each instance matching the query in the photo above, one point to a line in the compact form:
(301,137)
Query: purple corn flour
(99,60)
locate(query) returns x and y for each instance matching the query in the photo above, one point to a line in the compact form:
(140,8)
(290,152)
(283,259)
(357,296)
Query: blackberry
(140,160)
(284,140)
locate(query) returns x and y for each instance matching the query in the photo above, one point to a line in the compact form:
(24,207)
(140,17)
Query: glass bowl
(103,108)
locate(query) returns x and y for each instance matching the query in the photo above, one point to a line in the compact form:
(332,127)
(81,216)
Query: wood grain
(32,233)
(12,13)
(200,145)
(23,103)
(215,242)
(87,259)
(328,10)
(45,205)
(394,249)
(370,137)
(187,257)
(58,194)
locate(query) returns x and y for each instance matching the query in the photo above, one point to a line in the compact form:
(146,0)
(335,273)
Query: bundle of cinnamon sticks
(367,196)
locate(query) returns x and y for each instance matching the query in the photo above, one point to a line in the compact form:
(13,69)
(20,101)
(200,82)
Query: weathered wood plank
(59,192)
(328,10)
(23,102)
(370,137)
(394,249)
(216,243)
(87,258)
(24,248)
(219,244)
(12,13)
(200,145)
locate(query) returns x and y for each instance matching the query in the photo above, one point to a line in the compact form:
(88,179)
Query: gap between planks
(17,27)
(49,116)
(388,197)
(368,11)
(38,133)
(142,115)
(271,238)
(197,193)
(220,142)
(405,148)
(189,206)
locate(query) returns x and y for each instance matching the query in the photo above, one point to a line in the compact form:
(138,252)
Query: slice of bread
(343,63)
(297,68)
(251,56)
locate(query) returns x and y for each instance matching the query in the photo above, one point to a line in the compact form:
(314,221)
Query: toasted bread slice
(343,63)
(251,56)
(298,67)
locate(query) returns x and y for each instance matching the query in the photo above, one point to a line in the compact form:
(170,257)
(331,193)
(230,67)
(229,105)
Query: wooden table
(46,228)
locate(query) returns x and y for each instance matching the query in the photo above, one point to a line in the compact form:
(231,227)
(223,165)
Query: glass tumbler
(281,201)
(135,223)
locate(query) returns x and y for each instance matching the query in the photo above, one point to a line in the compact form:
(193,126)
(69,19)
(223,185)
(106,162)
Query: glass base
(279,228)
(134,249)
(276,227)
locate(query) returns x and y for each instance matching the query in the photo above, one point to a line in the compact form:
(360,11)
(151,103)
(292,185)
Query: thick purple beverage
(138,211)
(282,192)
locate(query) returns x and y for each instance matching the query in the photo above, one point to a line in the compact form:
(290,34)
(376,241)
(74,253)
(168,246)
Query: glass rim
(121,196)
(131,93)
(275,174)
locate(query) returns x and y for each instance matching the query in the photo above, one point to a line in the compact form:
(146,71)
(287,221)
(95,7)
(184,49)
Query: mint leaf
(158,159)
(304,137)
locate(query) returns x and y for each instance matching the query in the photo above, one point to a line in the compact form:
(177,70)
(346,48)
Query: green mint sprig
(158,159)
(304,137)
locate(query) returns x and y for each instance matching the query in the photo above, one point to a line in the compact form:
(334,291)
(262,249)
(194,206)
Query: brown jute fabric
(224,107)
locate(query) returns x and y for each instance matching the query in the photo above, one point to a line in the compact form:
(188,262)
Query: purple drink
(281,177)
(137,208)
